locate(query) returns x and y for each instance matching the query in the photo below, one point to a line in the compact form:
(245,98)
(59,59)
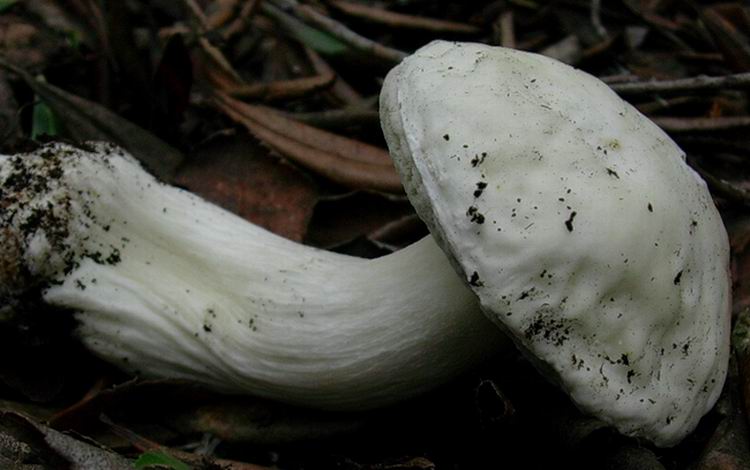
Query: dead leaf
(342,147)
(83,455)
(25,444)
(37,412)
(346,161)
(22,444)
(241,177)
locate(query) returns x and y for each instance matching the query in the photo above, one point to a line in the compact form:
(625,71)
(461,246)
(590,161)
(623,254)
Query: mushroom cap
(577,223)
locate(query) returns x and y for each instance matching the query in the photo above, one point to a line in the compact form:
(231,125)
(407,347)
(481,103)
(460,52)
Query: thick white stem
(169,285)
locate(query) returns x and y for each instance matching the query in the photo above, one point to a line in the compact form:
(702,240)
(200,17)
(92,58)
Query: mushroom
(166,284)
(573,219)
(577,223)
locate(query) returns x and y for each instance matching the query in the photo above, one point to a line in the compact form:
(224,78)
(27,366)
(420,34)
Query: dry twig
(738,80)
(400,20)
(505,31)
(339,31)
(729,40)
(197,13)
(238,24)
(724,188)
(211,51)
(283,89)
(596,18)
(222,14)
(660,104)
(685,124)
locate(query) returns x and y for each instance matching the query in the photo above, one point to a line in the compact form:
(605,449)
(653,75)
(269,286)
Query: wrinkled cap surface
(577,223)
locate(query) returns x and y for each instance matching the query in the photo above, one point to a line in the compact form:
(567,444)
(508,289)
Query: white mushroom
(169,285)
(577,223)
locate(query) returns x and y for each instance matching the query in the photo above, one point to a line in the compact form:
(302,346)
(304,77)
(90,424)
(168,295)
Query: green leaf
(315,39)
(44,121)
(73,38)
(5,4)
(148,459)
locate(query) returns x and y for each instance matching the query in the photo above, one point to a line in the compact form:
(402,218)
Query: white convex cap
(578,225)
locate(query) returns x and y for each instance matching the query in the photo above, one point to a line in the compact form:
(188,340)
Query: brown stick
(680,124)
(283,89)
(341,32)
(222,14)
(238,24)
(739,80)
(724,188)
(506,33)
(400,20)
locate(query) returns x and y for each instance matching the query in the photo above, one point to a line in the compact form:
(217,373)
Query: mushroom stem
(166,284)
